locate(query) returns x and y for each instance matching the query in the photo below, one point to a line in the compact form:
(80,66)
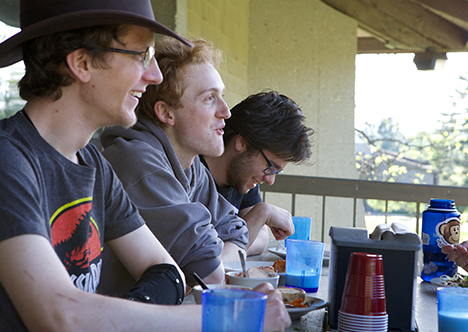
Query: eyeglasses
(146,56)
(270,170)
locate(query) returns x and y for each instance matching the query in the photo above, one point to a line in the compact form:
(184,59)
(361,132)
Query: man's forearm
(260,244)
(231,252)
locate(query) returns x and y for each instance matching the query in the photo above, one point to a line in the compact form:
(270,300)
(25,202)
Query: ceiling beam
(404,25)
(372,45)
(455,8)
(425,22)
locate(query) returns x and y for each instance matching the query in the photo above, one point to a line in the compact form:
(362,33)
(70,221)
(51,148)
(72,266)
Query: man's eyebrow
(275,164)
(213,89)
(278,167)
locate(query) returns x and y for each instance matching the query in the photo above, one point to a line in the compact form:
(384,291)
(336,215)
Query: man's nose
(223,110)
(269,179)
(153,74)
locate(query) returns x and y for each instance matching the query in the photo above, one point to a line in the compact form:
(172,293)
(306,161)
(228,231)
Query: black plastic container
(400,254)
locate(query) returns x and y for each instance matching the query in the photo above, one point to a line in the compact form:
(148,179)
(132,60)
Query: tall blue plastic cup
(452,309)
(304,260)
(232,310)
(301,228)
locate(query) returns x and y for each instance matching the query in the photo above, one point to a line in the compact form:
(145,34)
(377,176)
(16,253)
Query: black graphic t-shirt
(76,207)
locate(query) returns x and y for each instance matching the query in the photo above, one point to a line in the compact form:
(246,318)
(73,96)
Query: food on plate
(268,270)
(458,280)
(293,296)
(297,303)
(259,272)
(280,266)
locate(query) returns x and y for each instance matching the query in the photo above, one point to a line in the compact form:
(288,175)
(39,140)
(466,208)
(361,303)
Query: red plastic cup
(364,290)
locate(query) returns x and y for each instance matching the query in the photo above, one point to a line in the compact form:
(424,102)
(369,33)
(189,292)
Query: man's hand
(279,220)
(276,316)
(458,253)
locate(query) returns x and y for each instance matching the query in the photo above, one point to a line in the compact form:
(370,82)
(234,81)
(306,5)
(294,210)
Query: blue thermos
(440,226)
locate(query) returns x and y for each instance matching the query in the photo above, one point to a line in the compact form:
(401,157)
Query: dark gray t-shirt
(76,207)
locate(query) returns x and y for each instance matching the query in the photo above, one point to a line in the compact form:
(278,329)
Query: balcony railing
(359,189)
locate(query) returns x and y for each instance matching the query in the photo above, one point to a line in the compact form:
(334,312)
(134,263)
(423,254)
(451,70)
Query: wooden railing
(359,189)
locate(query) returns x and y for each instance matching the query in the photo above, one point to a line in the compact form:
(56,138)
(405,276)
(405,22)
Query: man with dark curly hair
(265,132)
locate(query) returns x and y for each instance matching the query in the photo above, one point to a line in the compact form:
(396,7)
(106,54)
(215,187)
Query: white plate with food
(312,303)
(298,303)
(458,280)
(439,282)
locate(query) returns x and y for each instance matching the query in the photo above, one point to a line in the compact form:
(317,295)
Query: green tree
(10,101)
(445,149)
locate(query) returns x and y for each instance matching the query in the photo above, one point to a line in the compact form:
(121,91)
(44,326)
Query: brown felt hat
(43,17)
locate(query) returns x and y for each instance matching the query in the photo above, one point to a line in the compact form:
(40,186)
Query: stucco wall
(306,50)
(226,24)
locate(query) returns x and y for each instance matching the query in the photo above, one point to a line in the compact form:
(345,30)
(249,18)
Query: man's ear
(164,113)
(240,143)
(79,63)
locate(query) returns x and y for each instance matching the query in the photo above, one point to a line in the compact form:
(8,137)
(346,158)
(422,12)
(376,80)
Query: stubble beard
(237,172)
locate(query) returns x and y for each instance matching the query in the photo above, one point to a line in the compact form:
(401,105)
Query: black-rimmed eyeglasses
(271,169)
(145,56)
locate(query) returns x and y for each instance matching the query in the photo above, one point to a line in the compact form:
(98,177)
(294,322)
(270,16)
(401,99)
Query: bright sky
(389,85)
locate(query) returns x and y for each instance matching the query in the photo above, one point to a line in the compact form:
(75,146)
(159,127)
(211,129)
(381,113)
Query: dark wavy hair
(45,58)
(271,121)
(172,57)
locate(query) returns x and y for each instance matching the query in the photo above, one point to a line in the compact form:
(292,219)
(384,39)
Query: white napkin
(395,228)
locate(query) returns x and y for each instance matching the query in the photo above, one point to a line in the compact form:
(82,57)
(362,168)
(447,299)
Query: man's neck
(184,156)
(218,167)
(60,125)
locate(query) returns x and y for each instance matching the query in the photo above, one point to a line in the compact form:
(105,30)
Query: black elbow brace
(159,284)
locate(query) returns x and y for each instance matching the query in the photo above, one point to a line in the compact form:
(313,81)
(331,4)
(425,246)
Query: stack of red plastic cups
(363,303)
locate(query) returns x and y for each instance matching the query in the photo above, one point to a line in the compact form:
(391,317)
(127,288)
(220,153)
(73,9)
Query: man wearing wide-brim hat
(87,63)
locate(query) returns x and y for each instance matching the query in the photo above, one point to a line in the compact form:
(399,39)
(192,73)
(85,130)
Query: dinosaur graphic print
(77,241)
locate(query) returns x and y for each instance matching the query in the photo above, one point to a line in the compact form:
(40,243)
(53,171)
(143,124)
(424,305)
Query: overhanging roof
(411,26)
(384,26)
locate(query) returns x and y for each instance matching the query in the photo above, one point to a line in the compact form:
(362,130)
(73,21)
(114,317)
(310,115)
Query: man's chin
(244,190)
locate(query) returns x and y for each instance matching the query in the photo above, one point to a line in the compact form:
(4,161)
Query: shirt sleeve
(169,207)
(20,193)
(229,226)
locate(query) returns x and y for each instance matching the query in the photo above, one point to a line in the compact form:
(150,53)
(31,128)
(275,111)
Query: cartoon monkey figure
(450,230)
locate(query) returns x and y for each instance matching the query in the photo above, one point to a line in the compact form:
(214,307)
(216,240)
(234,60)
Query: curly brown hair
(45,58)
(172,57)
(274,122)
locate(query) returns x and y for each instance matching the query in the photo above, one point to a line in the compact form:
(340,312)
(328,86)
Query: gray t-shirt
(76,207)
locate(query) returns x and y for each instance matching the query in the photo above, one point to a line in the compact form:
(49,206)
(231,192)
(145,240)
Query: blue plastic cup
(301,228)
(452,309)
(304,264)
(232,310)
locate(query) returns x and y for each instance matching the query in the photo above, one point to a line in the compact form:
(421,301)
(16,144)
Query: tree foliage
(442,152)
(10,101)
